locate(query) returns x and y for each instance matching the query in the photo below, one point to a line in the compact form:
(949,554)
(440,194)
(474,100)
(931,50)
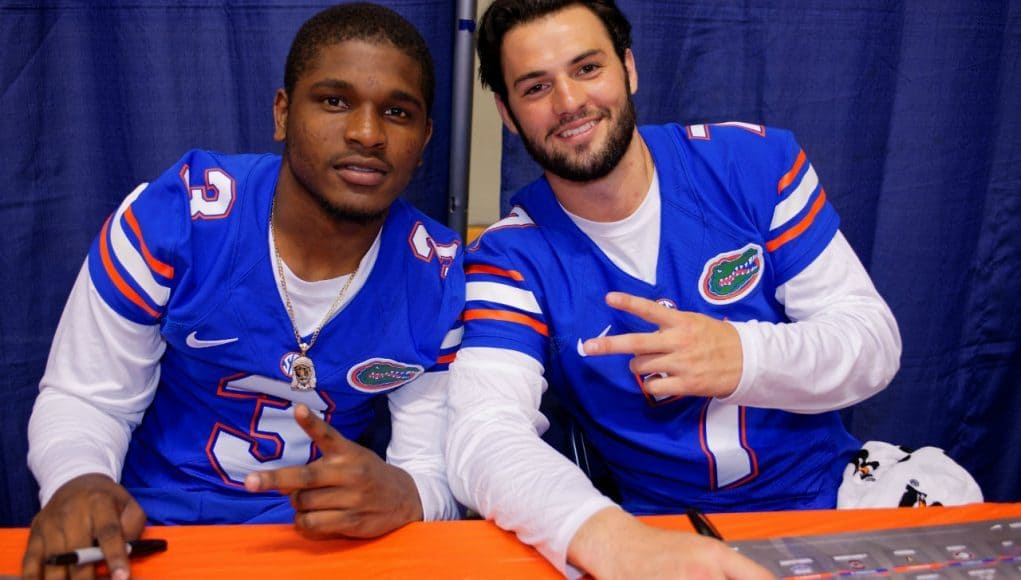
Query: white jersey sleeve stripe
(787,209)
(129,256)
(453,338)
(502,294)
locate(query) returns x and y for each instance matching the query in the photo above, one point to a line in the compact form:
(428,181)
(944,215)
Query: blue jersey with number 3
(742,213)
(190,253)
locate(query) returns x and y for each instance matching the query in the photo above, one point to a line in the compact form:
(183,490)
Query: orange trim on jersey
(788,178)
(705,447)
(119,282)
(506,316)
(161,268)
(446,359)
(775,243)
(482,269)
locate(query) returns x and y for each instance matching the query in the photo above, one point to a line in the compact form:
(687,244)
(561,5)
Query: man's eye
(334,102)
(398,113)
(588,69)
(534,89)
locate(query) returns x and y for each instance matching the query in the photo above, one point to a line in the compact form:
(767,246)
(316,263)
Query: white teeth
(577,131)
(360,169)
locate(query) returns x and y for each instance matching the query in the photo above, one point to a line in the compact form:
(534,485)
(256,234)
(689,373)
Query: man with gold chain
(236,318)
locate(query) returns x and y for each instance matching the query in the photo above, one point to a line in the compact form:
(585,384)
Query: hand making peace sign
(698,355)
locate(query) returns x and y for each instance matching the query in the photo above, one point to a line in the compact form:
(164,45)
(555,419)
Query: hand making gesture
(349,491)
(690,354)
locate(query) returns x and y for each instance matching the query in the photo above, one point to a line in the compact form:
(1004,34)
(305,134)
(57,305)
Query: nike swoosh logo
(194,342)
(581,349)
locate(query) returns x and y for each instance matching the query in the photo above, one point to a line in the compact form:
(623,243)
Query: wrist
(410,499)
(591,548)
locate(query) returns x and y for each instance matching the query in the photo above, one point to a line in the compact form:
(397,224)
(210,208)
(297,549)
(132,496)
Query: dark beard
(597,166)
(343,215)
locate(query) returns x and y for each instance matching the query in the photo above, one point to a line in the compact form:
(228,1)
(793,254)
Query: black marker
(92,555)
(702,524)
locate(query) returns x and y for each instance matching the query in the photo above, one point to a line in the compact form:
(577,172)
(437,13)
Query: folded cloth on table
(885,475)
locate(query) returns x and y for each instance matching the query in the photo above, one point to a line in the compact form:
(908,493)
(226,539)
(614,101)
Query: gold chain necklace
(303,370)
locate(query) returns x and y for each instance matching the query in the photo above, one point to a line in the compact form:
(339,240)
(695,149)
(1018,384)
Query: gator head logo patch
(729,276)
(380,374)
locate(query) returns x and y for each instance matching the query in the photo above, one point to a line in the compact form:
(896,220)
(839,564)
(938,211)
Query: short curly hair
(504,15)
(358,21)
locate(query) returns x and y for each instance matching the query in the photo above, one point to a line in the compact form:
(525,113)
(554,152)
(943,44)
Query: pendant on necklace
(303,374)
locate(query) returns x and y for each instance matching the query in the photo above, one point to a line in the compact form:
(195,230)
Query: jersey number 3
(273,439)
(214,199)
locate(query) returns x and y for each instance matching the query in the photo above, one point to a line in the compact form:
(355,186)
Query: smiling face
(569,95)
(354,128)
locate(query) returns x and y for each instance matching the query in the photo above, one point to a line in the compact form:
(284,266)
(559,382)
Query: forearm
(69,438)
(100,377)
(841,347)
(419,417)
(499,465)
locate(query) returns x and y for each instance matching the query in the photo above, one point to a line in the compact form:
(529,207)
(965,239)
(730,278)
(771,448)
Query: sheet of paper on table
(977,550)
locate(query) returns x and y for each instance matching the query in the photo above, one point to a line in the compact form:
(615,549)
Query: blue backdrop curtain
(911,113)
(96,97)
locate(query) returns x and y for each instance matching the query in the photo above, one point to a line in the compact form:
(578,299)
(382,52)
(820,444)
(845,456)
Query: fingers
(106,524)
(333,445)
(88,510)
(328,439)
(332,523)
(643,308)
(634,343)
(285,479)
(643,342)
(32,562)
(132,519)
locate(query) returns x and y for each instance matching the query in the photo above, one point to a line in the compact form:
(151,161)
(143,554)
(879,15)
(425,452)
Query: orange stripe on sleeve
(775,243)
(161,268)
(481,269)
(119,282)
(446,359)
(788,178)
(506,316)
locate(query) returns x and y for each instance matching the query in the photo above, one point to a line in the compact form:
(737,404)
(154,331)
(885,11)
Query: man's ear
(632,71)
(505,114)
(280,115)
(428,136)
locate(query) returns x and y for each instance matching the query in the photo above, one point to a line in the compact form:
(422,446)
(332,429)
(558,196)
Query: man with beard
(685,292)
(236,318)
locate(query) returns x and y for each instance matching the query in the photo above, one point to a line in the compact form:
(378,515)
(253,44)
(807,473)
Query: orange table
(464,549)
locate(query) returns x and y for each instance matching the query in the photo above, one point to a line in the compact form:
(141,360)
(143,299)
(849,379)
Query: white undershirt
(633,242)
(311,300)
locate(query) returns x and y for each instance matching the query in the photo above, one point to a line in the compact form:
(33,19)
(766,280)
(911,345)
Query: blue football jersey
(742,213)
(190,253)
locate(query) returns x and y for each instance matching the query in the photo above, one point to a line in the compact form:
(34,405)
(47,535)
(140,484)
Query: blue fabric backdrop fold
(911,114)
(100,96)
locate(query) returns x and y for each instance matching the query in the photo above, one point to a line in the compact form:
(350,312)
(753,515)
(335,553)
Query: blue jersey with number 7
(742,212)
